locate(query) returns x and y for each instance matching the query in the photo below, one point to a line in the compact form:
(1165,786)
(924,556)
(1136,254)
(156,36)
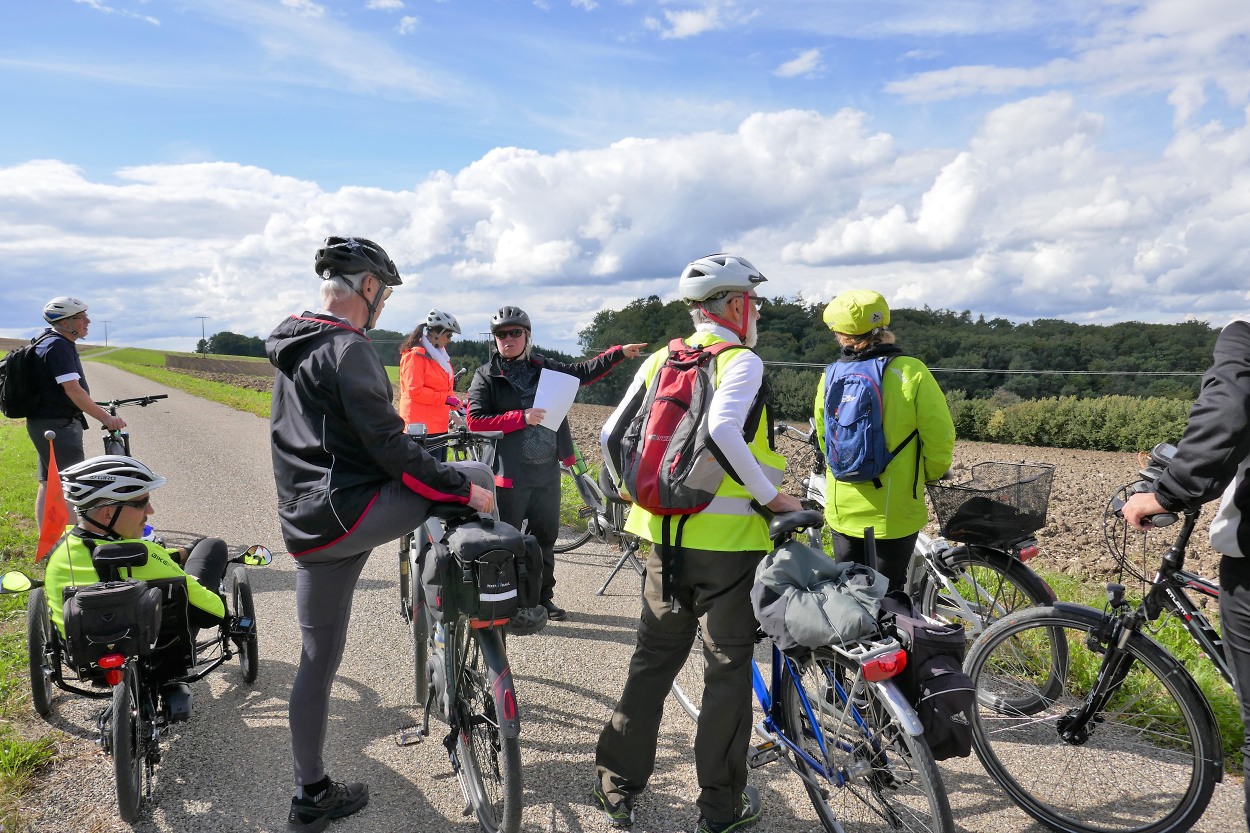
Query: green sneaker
(748,814)
(618,814)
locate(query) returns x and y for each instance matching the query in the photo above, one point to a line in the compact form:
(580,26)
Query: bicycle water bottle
(579,464)
(149,534)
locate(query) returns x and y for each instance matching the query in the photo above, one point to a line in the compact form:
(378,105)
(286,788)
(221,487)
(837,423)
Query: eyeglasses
(513,333)
(135,504)
(386,292)
(758,302)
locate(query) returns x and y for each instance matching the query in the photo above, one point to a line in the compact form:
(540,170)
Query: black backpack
(934,681)
(18,396)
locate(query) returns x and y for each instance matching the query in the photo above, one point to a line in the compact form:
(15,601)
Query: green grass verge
(150,364)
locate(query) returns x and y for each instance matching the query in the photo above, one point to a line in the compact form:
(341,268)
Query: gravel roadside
(229,768)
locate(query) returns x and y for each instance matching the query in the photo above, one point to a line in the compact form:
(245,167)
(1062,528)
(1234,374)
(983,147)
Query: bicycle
(834,717)
(145,684)
(587,511)
(985,576)
(118,442)
(461,667)
(1132,732)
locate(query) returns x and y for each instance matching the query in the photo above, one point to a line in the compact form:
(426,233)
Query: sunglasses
(136,504)
(514,333)
(758,302)
(386,292)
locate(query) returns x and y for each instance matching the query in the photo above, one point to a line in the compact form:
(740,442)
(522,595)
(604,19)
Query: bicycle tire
(487,751)
(1150,760)
(574,529)
(890,780)
(420,632)
(38,633)
(999,584)
(245,606)
(127,744)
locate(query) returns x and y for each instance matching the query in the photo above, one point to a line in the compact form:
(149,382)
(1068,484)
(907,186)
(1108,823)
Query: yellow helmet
(856,312)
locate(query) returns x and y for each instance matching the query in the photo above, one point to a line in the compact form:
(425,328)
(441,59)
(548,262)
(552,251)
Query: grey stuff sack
(804,599)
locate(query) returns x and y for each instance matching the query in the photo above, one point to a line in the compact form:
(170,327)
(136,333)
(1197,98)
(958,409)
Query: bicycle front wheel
(488,750)
(575,515)
(875,776)
(1146,763)
(38,634)
(245,608)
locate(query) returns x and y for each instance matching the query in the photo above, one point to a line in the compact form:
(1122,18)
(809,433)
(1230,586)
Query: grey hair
(715,306)
(338,288)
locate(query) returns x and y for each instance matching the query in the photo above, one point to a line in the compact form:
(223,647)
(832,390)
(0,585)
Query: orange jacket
(423,390)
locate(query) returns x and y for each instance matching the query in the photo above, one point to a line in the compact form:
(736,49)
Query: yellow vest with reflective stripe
(728,524)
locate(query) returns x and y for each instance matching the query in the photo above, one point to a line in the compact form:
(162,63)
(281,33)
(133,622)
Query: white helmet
(62,307)
(714,274)
(108,479)
(439,320)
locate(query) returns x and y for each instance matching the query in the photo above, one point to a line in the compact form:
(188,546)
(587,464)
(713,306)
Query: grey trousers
(324,583)
(712,590)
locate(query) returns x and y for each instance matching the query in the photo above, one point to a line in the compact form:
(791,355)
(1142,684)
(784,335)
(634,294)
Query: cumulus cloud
(1033,217)
(408,24)
(807,63)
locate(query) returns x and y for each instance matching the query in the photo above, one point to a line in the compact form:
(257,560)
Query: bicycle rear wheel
(575,515)
(1145,764)
(985,585)
(883,779)
(38,633)
(128,746)
(488,750)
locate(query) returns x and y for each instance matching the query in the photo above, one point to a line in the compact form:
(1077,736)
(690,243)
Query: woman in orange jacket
(426,380)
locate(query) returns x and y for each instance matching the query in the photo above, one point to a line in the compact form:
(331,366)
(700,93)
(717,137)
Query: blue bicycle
(834,717)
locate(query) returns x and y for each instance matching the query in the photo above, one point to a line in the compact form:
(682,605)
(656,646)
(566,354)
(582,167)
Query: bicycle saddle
(788,522)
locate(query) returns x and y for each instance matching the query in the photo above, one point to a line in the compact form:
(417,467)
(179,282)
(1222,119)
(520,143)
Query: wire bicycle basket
(999,504)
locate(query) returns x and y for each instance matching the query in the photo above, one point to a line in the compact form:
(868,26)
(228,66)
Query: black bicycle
(1127,742)
(118,442)
(142,669)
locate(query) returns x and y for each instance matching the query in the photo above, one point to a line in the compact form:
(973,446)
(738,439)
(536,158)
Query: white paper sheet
(555,393)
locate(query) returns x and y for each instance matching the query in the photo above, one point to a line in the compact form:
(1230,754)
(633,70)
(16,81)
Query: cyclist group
(349,479)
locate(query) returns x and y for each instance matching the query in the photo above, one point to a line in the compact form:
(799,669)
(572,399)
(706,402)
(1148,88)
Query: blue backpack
(855,446)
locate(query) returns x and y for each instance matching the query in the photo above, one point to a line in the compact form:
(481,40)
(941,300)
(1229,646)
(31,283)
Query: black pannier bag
(113,617)
(529,574)
(483,571)
(435,568)
(933,681)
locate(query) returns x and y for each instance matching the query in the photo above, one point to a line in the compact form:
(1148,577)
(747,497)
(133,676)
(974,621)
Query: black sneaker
(748,814)
(555,613)
(528,621)
(619,814)
(311,815)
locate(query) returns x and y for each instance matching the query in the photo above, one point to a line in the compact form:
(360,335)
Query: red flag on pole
(55,512)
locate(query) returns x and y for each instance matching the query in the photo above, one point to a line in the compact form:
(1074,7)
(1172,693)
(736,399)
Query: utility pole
(106,333)
(203,337)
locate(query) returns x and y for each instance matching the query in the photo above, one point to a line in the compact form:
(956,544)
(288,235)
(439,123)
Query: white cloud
(105,9)
(408,24)
(688,23)
(1033,217)
(807,63)
(306,8)
(385,5)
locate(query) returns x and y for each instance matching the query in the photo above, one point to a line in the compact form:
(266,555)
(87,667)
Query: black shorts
(68,442)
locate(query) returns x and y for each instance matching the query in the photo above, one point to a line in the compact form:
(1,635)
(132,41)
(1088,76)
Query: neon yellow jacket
(913,402)
(737,528)
(69,565)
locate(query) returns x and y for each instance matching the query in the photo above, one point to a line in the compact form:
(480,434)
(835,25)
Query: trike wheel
(245,608)
(128,745)
(38,634)
(574,515)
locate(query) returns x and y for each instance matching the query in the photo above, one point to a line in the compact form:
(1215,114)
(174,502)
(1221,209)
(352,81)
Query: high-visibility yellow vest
(728,524)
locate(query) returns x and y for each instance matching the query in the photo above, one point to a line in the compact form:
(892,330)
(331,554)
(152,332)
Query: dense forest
(971,357)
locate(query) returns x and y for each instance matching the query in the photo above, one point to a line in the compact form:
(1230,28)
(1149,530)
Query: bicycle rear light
(112,665)
(884,666)
(1025,553)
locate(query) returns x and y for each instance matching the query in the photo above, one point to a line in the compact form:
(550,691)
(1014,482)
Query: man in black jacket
(1211,459)
(348,479)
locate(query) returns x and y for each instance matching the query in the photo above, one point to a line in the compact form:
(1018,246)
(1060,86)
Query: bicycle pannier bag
(933,681)
(435,568)
(483,577)
(529,574)
(855,448)
(18,397)
(115,617)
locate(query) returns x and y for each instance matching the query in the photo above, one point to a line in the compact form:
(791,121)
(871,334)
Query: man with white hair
(349,479)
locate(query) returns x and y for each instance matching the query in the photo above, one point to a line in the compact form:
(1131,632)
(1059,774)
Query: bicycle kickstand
(629,556)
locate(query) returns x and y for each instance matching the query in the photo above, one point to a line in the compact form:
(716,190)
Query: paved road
(229,769)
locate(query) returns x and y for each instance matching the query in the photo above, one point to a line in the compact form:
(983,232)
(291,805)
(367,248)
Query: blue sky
(1079,160)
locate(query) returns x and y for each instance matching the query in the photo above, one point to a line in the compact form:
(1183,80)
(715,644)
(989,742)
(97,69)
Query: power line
(1026,372)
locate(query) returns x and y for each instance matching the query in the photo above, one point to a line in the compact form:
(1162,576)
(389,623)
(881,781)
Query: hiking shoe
(527,621)
(554,612)
(336,800)
(748,814)
(618,814)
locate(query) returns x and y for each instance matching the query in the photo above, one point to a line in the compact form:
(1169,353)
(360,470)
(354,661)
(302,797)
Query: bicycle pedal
(410,736)
(764,753)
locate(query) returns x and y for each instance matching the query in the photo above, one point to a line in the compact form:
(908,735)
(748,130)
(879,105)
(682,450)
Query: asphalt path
(229,768)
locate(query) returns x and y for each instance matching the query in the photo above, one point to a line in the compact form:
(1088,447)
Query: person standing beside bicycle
(1211,460)
(62,395)
(427,383)
(917,427)
(721,547)
(349,478)
(528,456)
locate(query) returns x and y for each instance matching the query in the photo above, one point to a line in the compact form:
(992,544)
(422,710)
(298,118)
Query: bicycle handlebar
(142,401)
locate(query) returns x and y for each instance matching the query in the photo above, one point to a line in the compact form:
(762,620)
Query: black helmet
(350,255)
(509,317)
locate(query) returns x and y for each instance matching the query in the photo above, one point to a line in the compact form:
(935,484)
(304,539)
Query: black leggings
(206,563)
(893,555)
(1235,628)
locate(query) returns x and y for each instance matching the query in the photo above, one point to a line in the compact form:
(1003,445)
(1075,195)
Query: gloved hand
(454,402)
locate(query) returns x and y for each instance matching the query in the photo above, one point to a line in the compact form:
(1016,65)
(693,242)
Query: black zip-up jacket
(1217,436)
(495,404)
(336,437)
